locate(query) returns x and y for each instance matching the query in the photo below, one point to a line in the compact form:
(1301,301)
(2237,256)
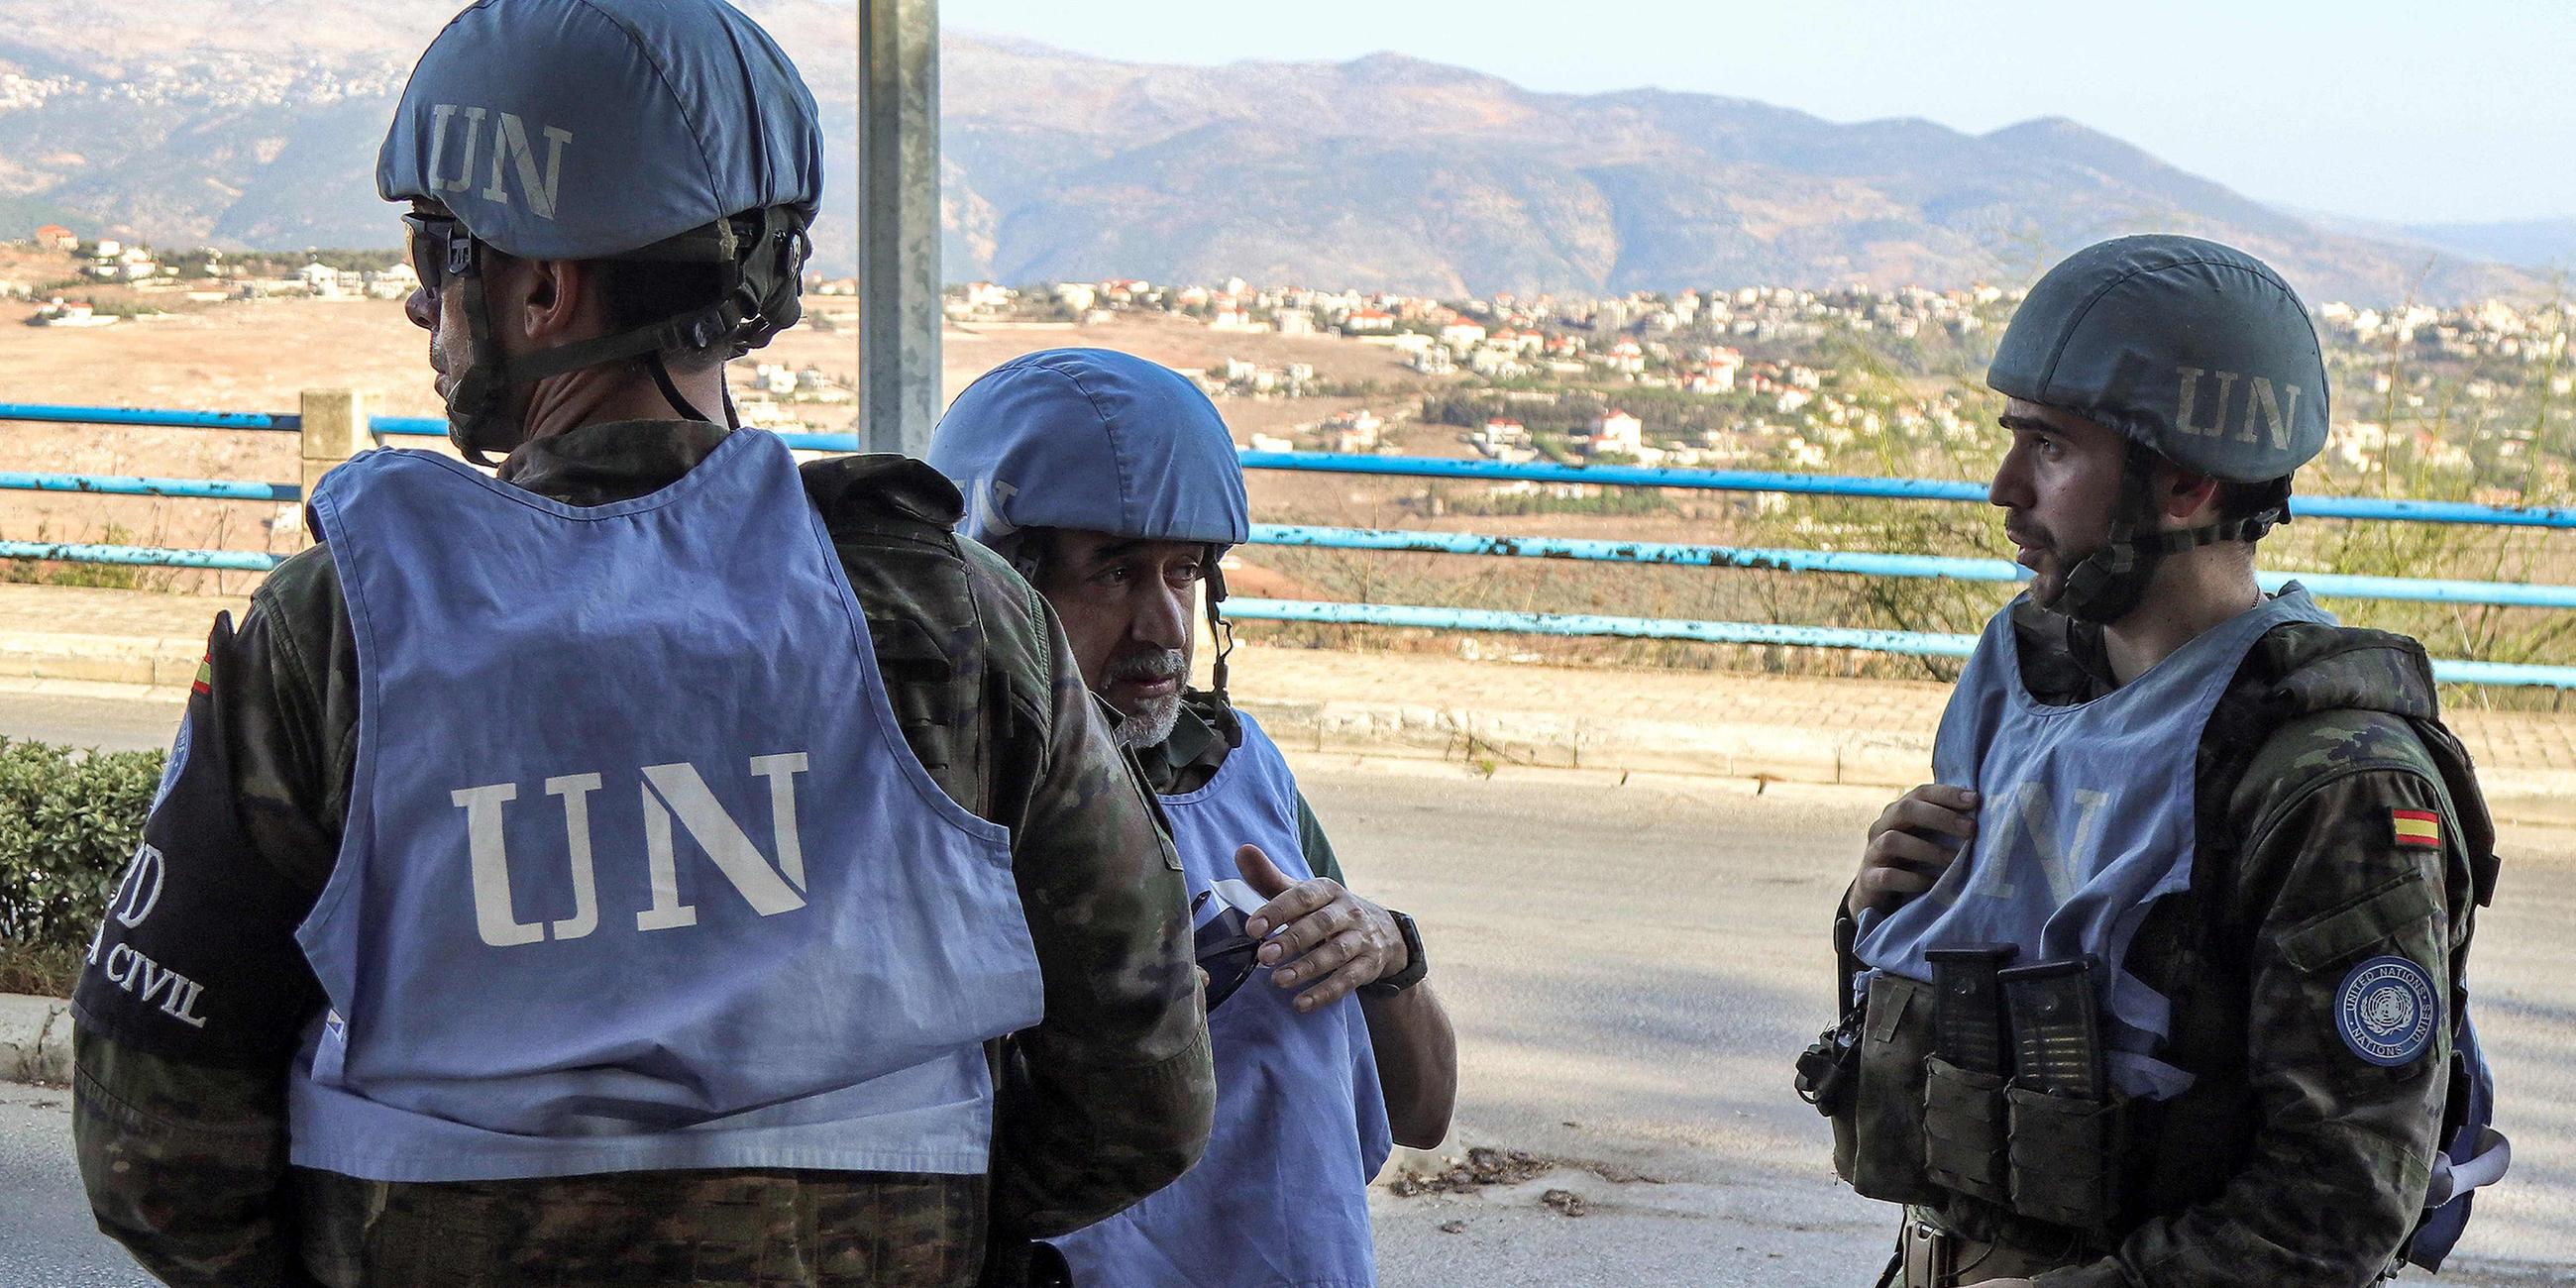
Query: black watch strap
(1415,965)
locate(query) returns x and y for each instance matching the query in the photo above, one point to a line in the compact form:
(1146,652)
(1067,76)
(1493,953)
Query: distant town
(2472,401)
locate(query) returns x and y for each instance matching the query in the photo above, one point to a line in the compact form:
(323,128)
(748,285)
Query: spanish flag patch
(205,675)
(2419,829)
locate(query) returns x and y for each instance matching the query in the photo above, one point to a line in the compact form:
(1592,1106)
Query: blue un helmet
(657,131)
(1100,441)
(2195,352)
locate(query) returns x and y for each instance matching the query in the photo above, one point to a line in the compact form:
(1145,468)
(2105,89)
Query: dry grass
(43,970)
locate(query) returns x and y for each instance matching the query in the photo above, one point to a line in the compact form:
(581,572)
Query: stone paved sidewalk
(107,636)
(1875,733)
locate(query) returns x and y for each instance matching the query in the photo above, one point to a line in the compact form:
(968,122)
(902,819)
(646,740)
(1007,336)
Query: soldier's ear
(556,297)
(2185,494)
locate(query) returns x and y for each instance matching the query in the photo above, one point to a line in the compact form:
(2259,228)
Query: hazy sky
(2409,111)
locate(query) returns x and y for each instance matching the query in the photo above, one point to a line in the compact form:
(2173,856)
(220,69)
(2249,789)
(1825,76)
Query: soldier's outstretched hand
(1911,845)
(1326,933)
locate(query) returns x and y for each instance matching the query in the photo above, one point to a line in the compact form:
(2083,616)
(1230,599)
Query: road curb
(99,665)
(1761,752)
(96,658)
(35,1039)
(1553,741)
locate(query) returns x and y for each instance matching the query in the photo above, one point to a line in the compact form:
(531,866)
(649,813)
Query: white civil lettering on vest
(2089,818)
(638,871)
(1280,1198)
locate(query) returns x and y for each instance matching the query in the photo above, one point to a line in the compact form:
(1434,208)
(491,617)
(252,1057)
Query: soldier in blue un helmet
(1112,483)
(626,870)
(2161,984)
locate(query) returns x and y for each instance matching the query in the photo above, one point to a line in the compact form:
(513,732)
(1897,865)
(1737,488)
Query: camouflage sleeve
(1320,858)
(192,1001)
(2347,1040)
(1110,1097)
(185,1163)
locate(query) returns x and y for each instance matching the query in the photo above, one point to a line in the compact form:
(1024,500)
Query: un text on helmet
(512,157)
(2262,407)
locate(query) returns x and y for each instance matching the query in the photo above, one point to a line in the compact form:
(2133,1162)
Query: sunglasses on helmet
(440,247)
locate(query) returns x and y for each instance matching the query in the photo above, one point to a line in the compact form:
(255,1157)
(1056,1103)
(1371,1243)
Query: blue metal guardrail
(2324,507)
(119,485)
(2322,585)
(290,422)
(1859,563)
(1845,485)
(153,556)
(162,416)
(1848,562)
(1909,643)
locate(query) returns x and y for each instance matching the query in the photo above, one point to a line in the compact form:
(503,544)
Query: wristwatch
(1415,966)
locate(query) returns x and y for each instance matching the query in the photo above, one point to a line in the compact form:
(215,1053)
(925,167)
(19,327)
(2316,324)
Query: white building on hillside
(1616,431)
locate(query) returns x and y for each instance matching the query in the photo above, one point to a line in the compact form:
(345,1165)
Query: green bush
(69,821)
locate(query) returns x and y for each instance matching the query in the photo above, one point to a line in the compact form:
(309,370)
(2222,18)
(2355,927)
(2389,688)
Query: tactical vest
(638,872)
(1918,1129)
(2087,816)
(1280,1199)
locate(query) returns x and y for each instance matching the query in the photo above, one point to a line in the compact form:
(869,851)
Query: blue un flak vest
(2086,818)
(1280,1199)
(638,872)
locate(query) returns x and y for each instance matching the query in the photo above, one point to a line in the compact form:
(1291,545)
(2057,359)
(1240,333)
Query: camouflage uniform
(2290,1160)
(183,1147)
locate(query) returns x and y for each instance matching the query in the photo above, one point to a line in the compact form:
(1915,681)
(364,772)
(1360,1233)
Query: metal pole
(898,224)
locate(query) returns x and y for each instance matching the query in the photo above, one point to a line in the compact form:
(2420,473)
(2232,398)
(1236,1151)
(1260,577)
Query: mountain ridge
(1386,171)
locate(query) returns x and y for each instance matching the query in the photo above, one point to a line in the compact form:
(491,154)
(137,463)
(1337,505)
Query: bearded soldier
(2161,984)
(1112,482)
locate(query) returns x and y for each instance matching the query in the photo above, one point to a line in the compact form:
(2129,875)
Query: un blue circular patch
(2386,1011)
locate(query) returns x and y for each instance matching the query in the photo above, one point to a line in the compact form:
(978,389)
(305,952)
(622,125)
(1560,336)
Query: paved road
(46,1239)
(85,715)
(1631,964)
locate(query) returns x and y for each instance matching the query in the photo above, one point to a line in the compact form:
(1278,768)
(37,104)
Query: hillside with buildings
(2466,403)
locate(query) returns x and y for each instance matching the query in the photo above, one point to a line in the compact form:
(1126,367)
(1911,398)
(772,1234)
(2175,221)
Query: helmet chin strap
(479,423)
(2106,585)
(476,422)
(1220,631)
(661,372)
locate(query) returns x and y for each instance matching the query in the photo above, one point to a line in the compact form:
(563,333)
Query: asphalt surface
(1631,964)
(40,712)
(46,1237)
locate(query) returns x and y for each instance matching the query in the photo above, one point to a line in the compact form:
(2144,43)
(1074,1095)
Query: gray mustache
(1148,666)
